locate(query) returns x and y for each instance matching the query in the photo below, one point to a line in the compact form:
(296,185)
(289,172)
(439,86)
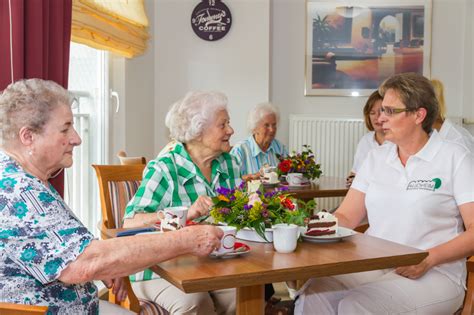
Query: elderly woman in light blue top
(260,147)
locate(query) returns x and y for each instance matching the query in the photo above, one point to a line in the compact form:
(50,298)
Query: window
(88,81)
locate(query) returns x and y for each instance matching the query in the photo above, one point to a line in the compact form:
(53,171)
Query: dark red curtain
(41,35)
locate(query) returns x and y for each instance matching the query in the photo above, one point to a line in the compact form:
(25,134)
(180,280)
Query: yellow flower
(255,211)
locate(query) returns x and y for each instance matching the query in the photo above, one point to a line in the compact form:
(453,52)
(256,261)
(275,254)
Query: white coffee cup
(295,179)
(267,169)
(227,240)
(173,218)
(285,237)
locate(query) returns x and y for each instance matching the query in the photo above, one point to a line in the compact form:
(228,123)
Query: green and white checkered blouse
(174,180)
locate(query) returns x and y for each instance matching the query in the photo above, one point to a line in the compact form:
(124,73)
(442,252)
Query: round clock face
(211,20)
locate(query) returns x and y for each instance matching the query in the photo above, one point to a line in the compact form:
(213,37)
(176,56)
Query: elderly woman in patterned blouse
(261,147)
(196,166)
(47,257)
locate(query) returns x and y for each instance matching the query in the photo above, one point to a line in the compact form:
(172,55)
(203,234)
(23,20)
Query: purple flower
(265,213)
(232,197)
(247,207)
(270,194)
(242,185)
(223,191)
(284,188)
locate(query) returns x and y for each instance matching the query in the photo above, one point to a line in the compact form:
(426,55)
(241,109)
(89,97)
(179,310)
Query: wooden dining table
(249,272)
(326,186)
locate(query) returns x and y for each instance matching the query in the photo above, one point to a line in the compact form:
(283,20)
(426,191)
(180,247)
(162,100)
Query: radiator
(333,140)
(77,178)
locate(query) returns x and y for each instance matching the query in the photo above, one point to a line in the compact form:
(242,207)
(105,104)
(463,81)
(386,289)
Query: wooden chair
(130,160)
(468,305)
(117,185)
(22,309)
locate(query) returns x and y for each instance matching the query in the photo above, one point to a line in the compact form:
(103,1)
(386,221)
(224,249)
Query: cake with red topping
(322,223)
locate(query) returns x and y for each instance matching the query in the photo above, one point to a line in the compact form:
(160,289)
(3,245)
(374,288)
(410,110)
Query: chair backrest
(21,309)
(130,160)
(117,185)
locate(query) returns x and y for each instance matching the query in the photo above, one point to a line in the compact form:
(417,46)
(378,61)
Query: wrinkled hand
(200,207)
(250,177)
(202,239)
(414,271)
(118,288)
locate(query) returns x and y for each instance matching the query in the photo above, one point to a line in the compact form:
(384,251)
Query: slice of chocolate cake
(322,223)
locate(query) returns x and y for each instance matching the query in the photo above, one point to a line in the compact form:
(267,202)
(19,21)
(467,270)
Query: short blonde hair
(439,92)
(29,103)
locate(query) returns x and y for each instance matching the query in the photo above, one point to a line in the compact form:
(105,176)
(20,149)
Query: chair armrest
(15,309)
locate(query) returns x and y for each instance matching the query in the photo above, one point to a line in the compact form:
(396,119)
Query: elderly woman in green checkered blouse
(190,172)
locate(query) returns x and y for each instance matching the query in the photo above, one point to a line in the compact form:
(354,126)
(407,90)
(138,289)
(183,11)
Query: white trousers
(177,302)
(106,308)
(380,292)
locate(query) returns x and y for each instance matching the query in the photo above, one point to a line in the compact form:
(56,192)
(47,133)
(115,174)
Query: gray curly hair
(29,103)
(258,112)
(188,117)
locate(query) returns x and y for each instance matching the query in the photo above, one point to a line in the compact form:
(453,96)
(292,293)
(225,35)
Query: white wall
(262,58)
(237,65)
(449,62)
(133,126)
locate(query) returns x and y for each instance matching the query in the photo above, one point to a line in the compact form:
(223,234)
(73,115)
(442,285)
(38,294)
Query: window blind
(120,26)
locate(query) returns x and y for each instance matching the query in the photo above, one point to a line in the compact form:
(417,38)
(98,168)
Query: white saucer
(300,185)
(235,253)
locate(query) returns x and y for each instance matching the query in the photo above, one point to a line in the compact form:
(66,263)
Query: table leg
(250,300)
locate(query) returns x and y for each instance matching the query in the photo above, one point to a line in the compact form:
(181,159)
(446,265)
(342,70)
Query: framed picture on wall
(353,46)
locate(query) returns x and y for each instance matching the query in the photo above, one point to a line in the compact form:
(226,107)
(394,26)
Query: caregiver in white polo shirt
(419,192)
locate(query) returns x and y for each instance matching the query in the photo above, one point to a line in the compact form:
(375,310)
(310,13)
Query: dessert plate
(341,233)
(239,249)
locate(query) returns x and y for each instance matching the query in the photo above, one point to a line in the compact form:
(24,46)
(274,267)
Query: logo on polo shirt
(423,184)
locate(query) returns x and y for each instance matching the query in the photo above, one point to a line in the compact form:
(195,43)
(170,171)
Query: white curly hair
(259,112)
(188,117)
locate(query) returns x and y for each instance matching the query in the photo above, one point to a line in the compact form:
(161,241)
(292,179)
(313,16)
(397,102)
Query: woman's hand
(250,177)
(119,289)
(350,179)
(415,271)
(202,239)
(200,207)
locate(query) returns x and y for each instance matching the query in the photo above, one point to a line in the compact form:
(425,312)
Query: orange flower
(223,198)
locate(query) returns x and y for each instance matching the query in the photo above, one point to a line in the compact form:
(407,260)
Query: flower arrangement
(258,210)
(303,162)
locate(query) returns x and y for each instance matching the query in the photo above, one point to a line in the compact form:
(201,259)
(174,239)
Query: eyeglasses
(389,111)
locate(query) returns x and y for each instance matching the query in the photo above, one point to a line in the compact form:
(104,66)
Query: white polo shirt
(457,134)
(417,205)
(365,145)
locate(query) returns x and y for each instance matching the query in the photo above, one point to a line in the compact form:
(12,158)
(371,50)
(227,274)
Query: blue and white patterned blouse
(39,237)
(251,158)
